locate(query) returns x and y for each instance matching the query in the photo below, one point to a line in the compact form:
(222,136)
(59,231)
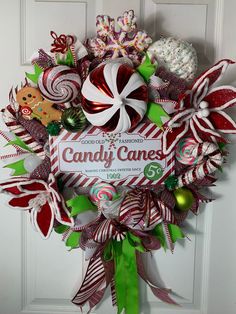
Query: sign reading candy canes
(131,158)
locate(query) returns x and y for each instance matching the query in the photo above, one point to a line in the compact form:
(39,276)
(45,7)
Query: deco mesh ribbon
(114,81)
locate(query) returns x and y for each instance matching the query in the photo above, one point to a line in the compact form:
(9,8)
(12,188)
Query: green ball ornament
(184,199)
(73,119)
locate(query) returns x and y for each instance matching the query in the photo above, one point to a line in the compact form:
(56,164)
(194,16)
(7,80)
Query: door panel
(40,276)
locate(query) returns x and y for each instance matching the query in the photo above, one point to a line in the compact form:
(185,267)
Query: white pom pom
(32,162)
(203,104)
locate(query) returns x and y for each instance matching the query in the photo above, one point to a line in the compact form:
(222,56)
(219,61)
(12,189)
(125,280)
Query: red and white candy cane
(210,159)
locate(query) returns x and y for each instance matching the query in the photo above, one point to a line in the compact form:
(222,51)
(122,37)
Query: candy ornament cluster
(116,142)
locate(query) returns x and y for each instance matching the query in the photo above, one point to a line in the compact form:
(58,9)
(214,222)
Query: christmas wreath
(114,141)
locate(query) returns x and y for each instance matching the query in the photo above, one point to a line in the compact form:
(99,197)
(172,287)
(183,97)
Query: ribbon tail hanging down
(160,292)
(95,282)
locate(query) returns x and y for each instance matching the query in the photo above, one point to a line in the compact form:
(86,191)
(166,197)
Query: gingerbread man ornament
(33,105)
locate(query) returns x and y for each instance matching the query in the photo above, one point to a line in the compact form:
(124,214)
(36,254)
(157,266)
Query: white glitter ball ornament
(176,55)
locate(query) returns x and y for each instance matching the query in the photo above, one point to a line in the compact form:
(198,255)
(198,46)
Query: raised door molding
(39,17)
(197,21)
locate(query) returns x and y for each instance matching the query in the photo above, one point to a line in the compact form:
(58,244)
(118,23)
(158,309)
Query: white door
(39,276)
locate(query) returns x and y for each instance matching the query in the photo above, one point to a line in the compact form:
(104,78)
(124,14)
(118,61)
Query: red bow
(41,199)
(61,43)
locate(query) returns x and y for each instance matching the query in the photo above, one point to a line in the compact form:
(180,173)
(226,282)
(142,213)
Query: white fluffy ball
(176,55)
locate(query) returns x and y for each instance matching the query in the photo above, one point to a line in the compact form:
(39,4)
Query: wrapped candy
(115,97)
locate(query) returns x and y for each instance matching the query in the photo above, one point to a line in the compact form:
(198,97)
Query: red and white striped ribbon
(94,284)
(10,117)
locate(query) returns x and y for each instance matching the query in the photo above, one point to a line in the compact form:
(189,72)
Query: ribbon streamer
(126,277)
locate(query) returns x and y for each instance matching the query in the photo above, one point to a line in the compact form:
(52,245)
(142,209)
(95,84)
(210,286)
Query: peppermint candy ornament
(115,97)
(59,84)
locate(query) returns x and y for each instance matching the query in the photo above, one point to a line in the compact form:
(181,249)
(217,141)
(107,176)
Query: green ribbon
(126,276)
(159,233)
(18,167)
(147,68)
(61,229)
(18,142)
(69,60)
(80,204)
(174,230)
(34,76)
(73,240)
(157,114)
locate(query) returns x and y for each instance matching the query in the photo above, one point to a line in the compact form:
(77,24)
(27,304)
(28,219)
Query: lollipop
(102,191)
(186,151)
(59,84)
(115,97)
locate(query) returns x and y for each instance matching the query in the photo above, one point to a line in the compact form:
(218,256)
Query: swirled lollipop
(187,152)
(59,84)
(102,191)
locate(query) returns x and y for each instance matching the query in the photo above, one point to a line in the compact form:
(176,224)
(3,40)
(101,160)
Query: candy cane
(205,166)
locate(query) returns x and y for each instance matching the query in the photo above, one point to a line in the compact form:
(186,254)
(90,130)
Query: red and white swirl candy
(115,97)
(59,84)
(209,159)
(102,191)
(187,151)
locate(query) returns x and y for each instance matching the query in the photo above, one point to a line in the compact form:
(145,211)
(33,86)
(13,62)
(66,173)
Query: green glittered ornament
(53,128)
(73,119)
(184,199)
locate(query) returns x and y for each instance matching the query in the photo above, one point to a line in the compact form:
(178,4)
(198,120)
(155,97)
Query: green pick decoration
(69,60)
(73,240)
(18,167)
(157,114)
(80,204)
(34,76)
(147,68)
(20,143)
(53,128)
(175,232)
(126,277)
(171,182)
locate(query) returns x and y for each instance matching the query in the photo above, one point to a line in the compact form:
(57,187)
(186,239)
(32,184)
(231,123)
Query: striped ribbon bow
(117,244)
